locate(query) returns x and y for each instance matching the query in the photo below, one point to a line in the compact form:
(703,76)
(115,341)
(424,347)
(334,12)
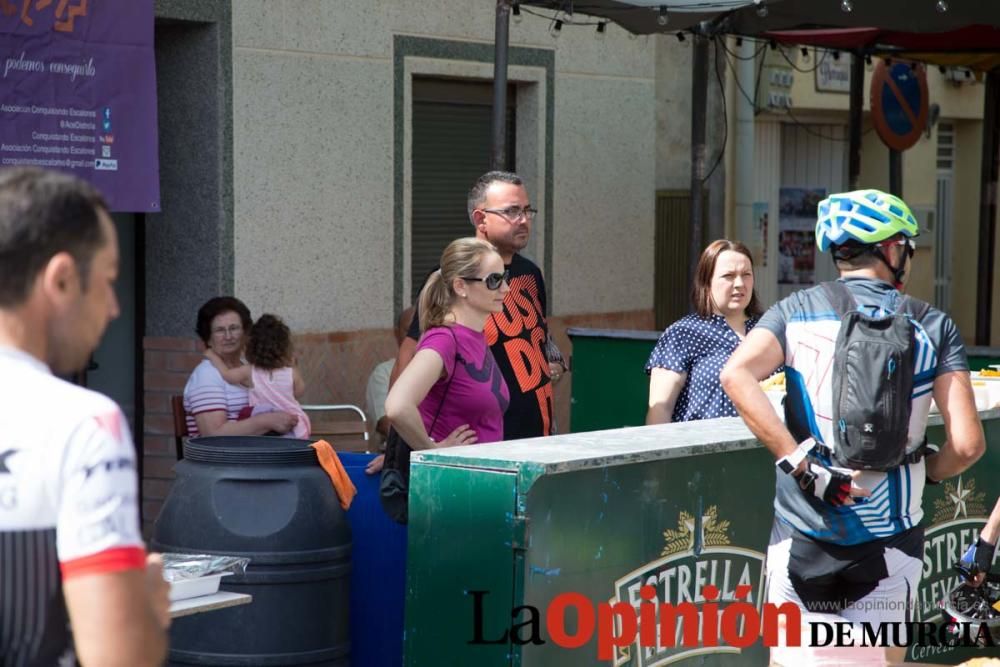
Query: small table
(219,600)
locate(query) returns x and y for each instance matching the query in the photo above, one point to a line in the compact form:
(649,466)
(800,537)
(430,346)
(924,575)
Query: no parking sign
(899,103)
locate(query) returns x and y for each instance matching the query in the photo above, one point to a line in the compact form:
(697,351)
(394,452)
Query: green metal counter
(610,386)
(497,528)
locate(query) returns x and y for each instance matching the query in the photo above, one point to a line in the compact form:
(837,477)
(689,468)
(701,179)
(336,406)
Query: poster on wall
(797,235)
(758,236)
(79,94)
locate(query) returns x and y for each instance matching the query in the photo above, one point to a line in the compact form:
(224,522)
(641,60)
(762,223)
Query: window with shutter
(451,148)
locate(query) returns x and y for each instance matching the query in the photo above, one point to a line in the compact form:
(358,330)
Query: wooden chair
(344,426)
(180,424)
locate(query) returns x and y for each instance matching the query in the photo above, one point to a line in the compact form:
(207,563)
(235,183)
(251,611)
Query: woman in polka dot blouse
(685,364)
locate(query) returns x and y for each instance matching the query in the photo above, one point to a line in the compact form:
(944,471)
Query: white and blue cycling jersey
(806,326)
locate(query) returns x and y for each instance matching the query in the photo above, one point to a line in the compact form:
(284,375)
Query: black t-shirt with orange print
(517,338)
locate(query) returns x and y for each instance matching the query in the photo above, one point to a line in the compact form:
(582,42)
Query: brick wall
(335,367)
(167,364)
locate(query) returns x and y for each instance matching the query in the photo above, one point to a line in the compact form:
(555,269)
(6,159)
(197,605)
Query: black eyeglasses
(513,213)
(492,281)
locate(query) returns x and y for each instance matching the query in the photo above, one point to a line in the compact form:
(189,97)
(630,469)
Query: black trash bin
(267,499)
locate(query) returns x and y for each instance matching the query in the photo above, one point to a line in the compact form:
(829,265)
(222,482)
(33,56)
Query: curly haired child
(271,376)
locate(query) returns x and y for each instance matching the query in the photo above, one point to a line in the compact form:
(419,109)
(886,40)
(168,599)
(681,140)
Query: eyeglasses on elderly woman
(492,281)
(231,330)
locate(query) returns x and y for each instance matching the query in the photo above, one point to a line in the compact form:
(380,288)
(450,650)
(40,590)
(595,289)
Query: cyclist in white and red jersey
(71,554)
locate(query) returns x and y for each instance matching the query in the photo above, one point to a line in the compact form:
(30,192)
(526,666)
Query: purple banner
(78,94)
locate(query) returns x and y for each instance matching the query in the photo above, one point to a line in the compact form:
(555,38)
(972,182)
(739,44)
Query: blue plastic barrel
(378,578)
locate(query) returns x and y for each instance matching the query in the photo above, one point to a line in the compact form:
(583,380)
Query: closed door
(113,367)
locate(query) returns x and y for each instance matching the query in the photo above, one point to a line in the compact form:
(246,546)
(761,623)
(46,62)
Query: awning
(898,19)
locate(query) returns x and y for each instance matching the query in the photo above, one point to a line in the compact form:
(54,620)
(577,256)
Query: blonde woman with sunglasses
(452,392)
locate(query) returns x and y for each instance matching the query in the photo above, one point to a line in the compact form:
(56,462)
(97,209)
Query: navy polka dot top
(699,347)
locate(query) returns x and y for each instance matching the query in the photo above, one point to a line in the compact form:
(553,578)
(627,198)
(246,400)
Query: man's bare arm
(756,358)
(119,619)
(964,439)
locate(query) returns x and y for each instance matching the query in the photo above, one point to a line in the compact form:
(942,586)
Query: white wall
(313,151)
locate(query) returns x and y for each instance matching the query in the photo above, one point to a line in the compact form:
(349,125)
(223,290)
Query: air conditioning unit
(777,100)
(959,75)
(925,221)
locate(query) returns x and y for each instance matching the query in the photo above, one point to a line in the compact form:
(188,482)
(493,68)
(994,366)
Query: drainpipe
(854,121)
(699,149)
(743,151)
(498,158)
(989,172)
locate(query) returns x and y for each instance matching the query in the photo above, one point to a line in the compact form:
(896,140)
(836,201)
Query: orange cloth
(330,462)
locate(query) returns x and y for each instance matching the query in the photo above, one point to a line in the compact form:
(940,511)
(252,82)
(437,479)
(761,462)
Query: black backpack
(873,370)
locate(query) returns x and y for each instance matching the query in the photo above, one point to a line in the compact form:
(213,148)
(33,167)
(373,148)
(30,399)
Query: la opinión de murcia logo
(705,595)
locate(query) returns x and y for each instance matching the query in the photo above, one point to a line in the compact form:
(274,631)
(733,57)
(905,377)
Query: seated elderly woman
(213,406)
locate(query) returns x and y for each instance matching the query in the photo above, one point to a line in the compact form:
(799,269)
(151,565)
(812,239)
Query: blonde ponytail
(434,302)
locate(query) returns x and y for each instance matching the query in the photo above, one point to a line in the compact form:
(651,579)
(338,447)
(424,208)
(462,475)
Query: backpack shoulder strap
(458,355)
(915,309)
(840,297)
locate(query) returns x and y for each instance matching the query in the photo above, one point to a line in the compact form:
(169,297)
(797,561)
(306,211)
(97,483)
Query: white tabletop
(219,600)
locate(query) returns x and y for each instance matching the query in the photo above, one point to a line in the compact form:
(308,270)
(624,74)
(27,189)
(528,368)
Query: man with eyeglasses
(862,362)
(499,209)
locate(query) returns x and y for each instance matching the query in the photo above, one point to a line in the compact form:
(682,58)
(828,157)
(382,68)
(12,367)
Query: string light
(556,28)
(601,29)
(941,69)
(836,55)
(680,37)
(739,42)
(773,44)
(663,19)
(846,6)
(761,8)
(941,6)
(805,54)
(516,11)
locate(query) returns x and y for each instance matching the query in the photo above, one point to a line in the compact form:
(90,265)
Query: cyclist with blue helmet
(867,222)
(852,461)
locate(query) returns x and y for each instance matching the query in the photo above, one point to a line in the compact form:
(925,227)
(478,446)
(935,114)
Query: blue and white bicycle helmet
(864,216)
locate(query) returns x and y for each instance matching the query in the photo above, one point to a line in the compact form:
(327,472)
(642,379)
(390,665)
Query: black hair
(477,194)
(217,306)
(44,213)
